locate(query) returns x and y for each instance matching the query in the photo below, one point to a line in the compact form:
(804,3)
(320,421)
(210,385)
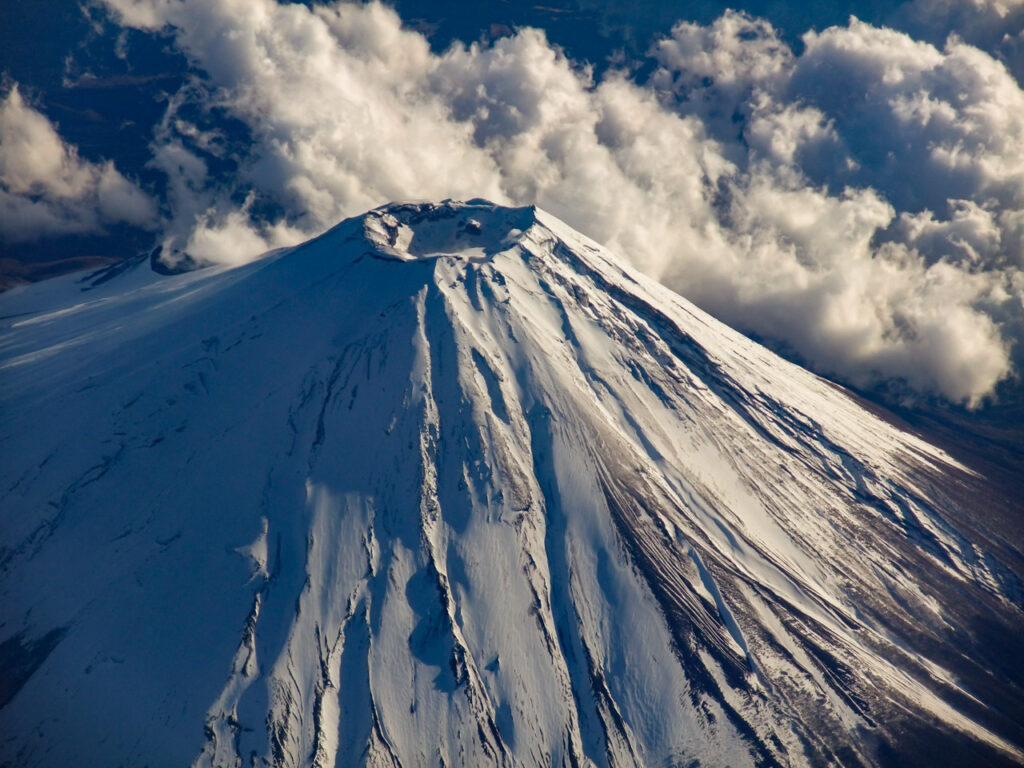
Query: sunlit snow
(451,485)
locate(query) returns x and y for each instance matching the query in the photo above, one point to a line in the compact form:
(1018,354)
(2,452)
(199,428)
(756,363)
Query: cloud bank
(46,189)
(860,205)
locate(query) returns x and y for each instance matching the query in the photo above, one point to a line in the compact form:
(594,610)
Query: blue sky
(842,181)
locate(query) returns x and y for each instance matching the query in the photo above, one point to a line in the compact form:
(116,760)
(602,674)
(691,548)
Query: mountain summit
(450,485)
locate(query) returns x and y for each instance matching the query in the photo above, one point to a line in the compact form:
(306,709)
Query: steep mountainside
(449,485)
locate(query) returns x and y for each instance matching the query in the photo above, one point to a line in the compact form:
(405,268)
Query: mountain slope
(448,485)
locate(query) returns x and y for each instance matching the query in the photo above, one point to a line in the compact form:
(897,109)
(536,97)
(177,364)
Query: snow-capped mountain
(450,485)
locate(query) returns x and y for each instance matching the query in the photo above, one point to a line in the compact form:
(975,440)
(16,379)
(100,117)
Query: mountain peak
(523,506)
(421,231)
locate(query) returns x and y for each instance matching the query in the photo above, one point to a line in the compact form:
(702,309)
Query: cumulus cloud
(47,189)
(893,171)
(994,26)
(860,204)
(952,119)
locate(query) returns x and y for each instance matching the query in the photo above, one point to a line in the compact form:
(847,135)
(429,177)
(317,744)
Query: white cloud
(924,124)
(718,65)
(229,237)
(994,26)
(47,189)
(934,142)
(805,198)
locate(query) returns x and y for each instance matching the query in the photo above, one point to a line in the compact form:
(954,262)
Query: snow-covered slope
(449,485)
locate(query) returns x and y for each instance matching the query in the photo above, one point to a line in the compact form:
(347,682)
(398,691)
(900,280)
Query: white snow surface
(451,485)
